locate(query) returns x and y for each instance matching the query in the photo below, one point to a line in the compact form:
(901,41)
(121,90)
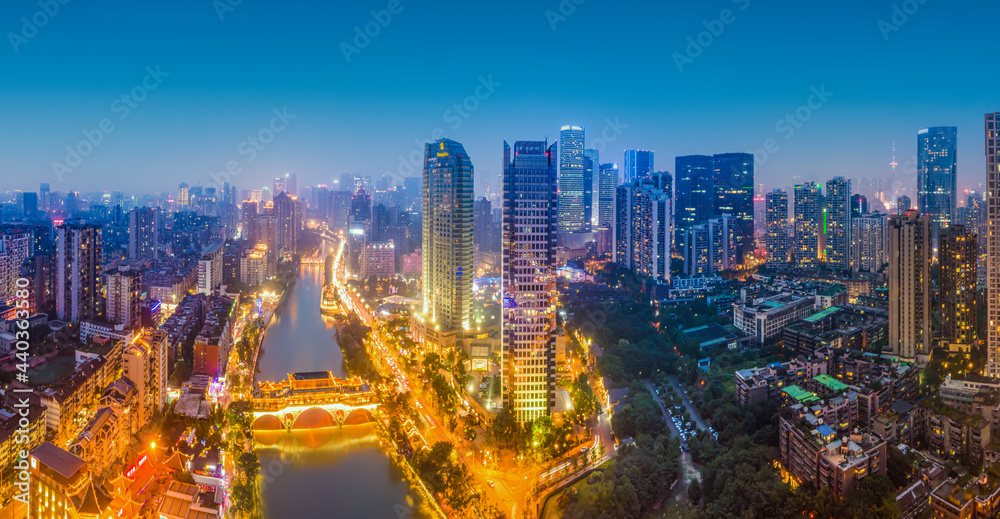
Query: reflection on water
(327,472)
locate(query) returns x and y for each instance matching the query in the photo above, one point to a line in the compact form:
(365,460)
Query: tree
(694,492)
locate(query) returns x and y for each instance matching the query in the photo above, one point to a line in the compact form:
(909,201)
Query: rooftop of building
(64,463)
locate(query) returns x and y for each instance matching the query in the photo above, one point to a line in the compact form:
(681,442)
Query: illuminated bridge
(308,402)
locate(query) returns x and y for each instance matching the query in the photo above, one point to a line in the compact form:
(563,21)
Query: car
(491,483)
(584,449)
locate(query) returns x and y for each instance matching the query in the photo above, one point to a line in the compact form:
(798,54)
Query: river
(349,476)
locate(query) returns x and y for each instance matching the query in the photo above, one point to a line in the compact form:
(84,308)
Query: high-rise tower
(448,225)
(529,280)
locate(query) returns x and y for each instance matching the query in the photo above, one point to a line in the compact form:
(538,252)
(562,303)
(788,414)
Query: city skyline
(327,110)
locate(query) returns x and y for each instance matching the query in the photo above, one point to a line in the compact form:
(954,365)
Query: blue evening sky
(604,61)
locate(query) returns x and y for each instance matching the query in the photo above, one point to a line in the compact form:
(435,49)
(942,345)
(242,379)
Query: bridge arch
(359,416)
(314,418)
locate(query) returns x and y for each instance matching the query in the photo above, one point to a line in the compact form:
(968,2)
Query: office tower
(607,181)
(910,286)
(868,242)
(859,205)
(529,279)
(45,196)
(210,268)
(278,186)
(638,165)
(991,146)
(361,206)
(643,229)
(733,174)
(776,228)
(183,196)
(142,234)
(808,215)
(249,231)
(79,283)
(482,235)
(903,204)
(571,180)
(124,297)
(257,195)
(292,184)
(289,222)
(694,191)
(937,178)
(71,204)
(838,223)
(144,362)
(957,255)
(590,164)
(29,204)
(710,247)
(447,235)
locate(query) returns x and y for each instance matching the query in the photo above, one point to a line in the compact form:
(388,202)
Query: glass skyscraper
(529,278)
(591,161)
(638,165)
(733,173)
(571,180)
(694,192)
(937,187)
(607,181)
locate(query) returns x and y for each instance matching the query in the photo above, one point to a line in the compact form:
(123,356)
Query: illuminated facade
(644,227)
(910,286)
(571,180)
(607,182)
(937,177)
(992,148)
(808,222)
(638,165)
(868,242)
(79,283)
(124,297)
(733,178)
(529,278)
(957,253)
(448,234)
(145,364)
(838,223)
(776,228)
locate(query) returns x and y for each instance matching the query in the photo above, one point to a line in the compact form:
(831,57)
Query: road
(690,471)
(695,414)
